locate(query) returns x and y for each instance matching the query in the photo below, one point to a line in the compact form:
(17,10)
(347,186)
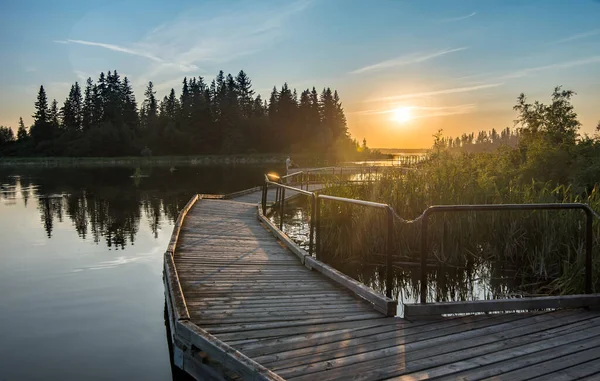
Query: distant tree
(22,133)
(72,111)
(87,110)
(557,121)
(6,135)
(41,130)
(245,93)
(149,110)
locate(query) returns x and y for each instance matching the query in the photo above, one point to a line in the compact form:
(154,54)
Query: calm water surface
(81,276)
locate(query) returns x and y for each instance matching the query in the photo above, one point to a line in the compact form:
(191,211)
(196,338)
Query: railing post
(589,241)
(424,250)
(318,227)
(389,248)
(281,209)
(264,198)
(313,220)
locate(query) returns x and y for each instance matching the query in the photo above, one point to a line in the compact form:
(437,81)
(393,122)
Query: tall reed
(534,252)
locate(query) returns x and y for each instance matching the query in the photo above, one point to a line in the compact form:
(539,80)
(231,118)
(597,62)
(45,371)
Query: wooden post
(389,248)
(318,227)
(589,241)
(313,219)
(424,250)
(281,209)
(264,198)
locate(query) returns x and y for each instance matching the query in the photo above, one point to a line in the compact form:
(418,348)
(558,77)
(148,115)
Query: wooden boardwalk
(243,306)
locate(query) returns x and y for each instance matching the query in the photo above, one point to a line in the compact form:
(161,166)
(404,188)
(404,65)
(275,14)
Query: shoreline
(133,161)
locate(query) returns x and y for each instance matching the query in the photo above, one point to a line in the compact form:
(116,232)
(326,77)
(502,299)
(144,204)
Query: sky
(403,69)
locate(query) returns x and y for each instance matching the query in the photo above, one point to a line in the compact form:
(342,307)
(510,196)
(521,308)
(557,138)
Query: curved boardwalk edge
(191,343)
(380,302)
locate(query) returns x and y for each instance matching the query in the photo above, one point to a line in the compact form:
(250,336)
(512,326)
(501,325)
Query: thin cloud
(425,112)
(115,48)
(454,90)
(577,37)
(452,19)
(406,60)
(565,65)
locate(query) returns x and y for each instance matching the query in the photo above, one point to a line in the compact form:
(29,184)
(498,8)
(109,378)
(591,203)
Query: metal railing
(503,207)
(315,224)
(315,221)
(303,177)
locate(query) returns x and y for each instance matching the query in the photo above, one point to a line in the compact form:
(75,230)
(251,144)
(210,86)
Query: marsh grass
(531,252)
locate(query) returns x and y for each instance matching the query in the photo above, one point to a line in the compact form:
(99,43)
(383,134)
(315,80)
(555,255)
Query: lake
(81,275)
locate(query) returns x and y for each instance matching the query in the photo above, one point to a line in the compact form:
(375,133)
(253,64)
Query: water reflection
(109,204)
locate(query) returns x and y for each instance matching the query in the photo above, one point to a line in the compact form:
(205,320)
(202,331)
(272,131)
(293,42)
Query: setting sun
(402,114)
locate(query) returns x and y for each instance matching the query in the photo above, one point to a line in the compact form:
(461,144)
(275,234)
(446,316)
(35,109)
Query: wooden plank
(224,354)
(276,311)
(520,304)
(429,353)
(466,353)
(369,339)
(587,371)
(274,298)
(286,324)
(378,342)
(548,346)
(229,309)
(276,318)
(543,363)
(301,330)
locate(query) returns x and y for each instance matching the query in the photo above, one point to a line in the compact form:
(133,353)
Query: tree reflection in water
(109,204)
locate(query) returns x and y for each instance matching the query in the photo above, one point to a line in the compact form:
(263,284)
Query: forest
(221,117)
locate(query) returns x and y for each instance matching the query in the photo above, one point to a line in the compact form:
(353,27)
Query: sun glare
(402,114)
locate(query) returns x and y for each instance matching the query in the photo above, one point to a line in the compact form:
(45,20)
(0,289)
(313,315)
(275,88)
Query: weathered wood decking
(243,306)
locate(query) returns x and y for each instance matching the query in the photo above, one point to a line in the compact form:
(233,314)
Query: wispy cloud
(576,37)
(452,19)
(453,90)
(564,65)
(406,60)
(192,40)
(115,48)
(425,112)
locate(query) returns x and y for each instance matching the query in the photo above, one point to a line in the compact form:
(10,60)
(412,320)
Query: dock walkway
(243,306)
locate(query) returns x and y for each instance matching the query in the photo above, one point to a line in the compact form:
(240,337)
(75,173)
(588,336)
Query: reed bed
(539,252)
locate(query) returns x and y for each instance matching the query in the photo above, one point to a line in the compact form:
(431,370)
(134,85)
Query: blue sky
(456,65)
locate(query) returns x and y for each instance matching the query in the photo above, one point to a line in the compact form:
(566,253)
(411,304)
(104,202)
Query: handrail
(423,218)
(500,207)
(291,188)
(355,201)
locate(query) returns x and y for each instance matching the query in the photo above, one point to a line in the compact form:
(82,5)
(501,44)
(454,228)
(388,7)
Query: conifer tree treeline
(224,116)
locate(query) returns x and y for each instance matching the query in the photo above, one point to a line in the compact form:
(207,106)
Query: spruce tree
(22,134)
(41,130)
(87,117)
